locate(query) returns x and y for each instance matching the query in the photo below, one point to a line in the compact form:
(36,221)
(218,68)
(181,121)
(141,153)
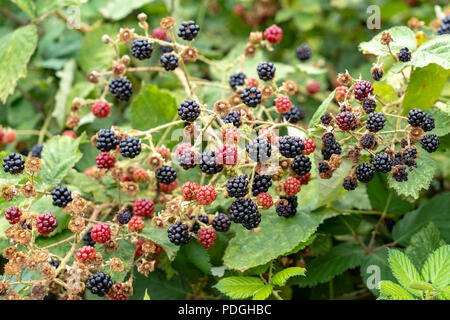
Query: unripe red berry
(345,120)
(101,233)
(292,186)
(341,93)
(264,200)
(310,146)
(9,136)
(101,109)
(362,89)
(141,175)
(238,10)
(85,252)
(159,33)
(143,207)
(46,223)
(230,135)
(105,160)
(252,82)
(226,155)
(136,224)
(206,195)
(168,188)
(189,190)
(206,237)
(13,215)
(313,87)
(283,104)
(273,34)
(70,133)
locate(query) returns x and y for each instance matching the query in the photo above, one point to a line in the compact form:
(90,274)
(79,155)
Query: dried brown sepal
(222,107)
(110,246)
(146,266)
(8,192)
(77,224)
(386,38)
(344,79)
(28,190)
(130,188)
(167,22)
(189,54)
(116,264)
(48,272)
(126,35)
(290,87)
(39,290)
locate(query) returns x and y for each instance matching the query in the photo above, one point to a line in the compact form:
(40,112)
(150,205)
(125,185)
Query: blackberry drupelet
(369,105)
(382,162)
(259,150)
(430,142)
(13,163)
(188,30)
(301,165)
(221,223)
(141,49)
(261,183)
(99,283)
(166,174)
(245,211)
(303,52)
(121,88)
(365,172)
(237,80)
(266,71)
(169,61)
(251,97)
(350,183)
(106,140)
(233,117)
(290,146)
(123,216)
(404,55)
(178,233)
(130,147)
(61,196)
(36,150)
(87,239)
(208,163)
(294,115)
(189,110)
(196,226)
(428,123)
(375,122)
(415,117)
(289,209)
(237,186)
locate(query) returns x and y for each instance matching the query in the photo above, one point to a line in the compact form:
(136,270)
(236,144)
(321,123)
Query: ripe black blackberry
(61,196)
(178,233)
(428,123)
(294,115)
(130,147)
(123,216)
(328,151)
(444,28)
(301,165)
(13,163)
(251,97)
(259,150)
(410,153)
(377,73)
(400,174)
(382,162)
(288,209)
(368,141)
(237,186)
(169,61)
(141,49)
(365,172)
(221,223)
(189,110)
(237,80)
(290,146)
(375,122)
(398,159)
(188,30)
(208,163)
(245,211)
(350,183)
(36,150)
(166,174)
(121,88)
(430,142)
(404,55)
(328,140)
(303,52)
(233,117)
(261,183)
(99,283)
(369,105)
(196,226)
(266,71)
(106,140)
(324,167)
(415,117)
(326,119)
(87,239)
(166,49)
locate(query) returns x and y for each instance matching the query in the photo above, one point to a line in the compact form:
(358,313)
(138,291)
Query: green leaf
(28,6)
(392,291)
(423,243)
(146,296)
(403,270)
(424,87)
(310,69)
(281,277)
(198,255)
(385,91)
(125,252)
(16,49)
(115,10)
(239,287)
(418,179)
(435,210)
(160,237)
(324,268)
(375,267)
(160,288)
(331,189)
(402,37)
(263,293)
(420,285)
(321,110)
(441,120)
(65,85)
(437,268)
(277,236)
(45,6)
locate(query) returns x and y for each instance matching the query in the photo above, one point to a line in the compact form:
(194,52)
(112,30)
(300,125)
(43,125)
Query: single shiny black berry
(221,223)
(303,52)
(188,30)
(237,186)
(404,55)
(87,239)
(382,162)
(287,207)
(365,172)
(208,163)
(61,196)
(350,183)
(13,163)
(266,71)
(121,88)
(251,97)
(106,140)
(301,165)
(430,142)
(368,141)
(166,174)
(189,110)
(130,147)
(428,123)
(245,211)
(178,233)
(415,117)
(169,61)
(123,216)
(261,183)
(99,283)
(375,122)
(141,49)
(237,80)
(233,117)
(290,146)
(294,115)
(369,105)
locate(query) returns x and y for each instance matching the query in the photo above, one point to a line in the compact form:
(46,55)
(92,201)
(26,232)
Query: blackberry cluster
(237,186)
(326,119)
(259,150)
(375,122)
(130,147)
(169,61)
(430,142)
(178,233)
(350,183)
(245,211)
(61,196)
(404,55)
(196,226)
(141,49)
(289,209)
(303,52)
(266,71)
(365,172)
(444,28)
(208,163)
(294,115)
(301,165)
(382,162)
(237,80)
(368,141)
(106,140)
(251,97)
(121,88)
(166,174)
(188,30)
(13,163)
(233,117)
(124,216)
(290,146)
(189,110)
(99,283)
(36,150)
(87,239)
(261,183)
(400,174)
(369,105)
(221,223)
